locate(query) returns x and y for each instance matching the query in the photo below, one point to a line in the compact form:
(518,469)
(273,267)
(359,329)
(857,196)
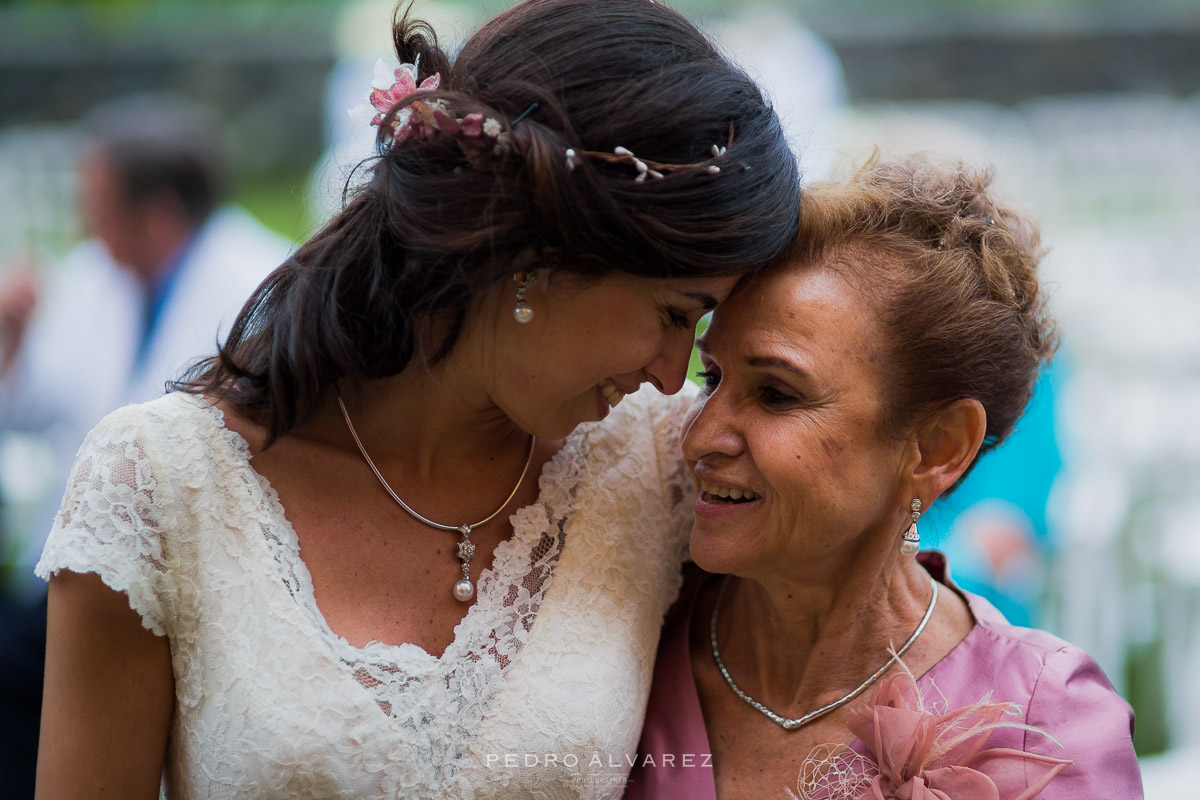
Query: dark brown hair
(431,230)
(953,274)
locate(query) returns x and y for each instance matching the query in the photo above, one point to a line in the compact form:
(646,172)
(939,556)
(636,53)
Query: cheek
(632,352)
(804,493)
(805,452)
(633,337)
(530,382)
(818,476)
(547,383)
(587,354)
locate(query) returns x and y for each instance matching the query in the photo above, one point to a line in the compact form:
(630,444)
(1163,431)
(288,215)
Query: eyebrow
(761,362)
(774,362)
(706,301)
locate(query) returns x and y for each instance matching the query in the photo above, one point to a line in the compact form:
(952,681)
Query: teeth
(611,393)
(725,491)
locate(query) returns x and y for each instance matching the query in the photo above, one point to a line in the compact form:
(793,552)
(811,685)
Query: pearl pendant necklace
(792,724)
(464,589)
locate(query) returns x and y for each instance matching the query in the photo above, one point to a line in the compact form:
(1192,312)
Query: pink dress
(1060,689)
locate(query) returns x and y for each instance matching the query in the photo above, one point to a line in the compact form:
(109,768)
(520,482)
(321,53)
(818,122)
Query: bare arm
(109,696)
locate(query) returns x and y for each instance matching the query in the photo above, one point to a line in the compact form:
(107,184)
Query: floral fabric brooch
(920,752)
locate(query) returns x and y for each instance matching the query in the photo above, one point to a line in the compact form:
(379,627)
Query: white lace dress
(541,694)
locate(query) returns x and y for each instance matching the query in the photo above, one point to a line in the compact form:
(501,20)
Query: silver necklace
(793,724)
(464,589)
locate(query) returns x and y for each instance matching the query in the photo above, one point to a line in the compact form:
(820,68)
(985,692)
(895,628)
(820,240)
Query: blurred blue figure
(993,527)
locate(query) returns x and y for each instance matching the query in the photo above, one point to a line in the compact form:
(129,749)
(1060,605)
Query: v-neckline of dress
(283,545)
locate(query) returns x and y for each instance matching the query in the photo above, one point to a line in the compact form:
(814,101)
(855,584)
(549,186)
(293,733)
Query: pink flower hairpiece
(919,753)
(421,119)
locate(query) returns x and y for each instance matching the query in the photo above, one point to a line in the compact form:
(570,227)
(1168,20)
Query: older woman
(844,394)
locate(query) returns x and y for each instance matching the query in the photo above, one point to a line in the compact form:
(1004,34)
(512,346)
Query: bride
(386,542)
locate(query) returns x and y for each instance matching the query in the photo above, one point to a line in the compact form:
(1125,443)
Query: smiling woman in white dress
(385,543)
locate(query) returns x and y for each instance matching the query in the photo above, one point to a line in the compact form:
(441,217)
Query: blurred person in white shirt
(165,272)
(167,268)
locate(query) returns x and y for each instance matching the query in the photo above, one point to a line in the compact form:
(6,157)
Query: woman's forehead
(807,309)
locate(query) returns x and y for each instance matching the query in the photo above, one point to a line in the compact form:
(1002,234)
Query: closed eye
(679,319)
(773,397)
(709,380)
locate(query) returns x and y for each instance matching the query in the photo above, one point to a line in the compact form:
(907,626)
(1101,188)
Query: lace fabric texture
(540,694)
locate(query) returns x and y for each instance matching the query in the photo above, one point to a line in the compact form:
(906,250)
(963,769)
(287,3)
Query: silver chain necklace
(464,589)
(793,724)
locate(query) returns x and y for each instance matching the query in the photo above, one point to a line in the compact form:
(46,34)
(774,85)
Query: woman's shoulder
(1030,656)
(122,515)
(1071,709)
(175,411)
(1014,645)
(1029,666)
(996,648)
(175,421)
(174,447)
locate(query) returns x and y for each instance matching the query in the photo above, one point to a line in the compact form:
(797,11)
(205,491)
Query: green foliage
(277,201)
(694,365)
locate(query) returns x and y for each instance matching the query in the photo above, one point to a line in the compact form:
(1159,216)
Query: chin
(547,424)
(552,430)
(714,554)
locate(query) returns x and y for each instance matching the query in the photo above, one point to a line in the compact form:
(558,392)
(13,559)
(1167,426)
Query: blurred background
(1085,523)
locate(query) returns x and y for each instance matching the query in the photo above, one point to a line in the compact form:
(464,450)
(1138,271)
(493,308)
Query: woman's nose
(668,370)
(710,429)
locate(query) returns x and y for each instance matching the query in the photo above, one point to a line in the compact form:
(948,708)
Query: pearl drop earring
(522,312)
(910,540)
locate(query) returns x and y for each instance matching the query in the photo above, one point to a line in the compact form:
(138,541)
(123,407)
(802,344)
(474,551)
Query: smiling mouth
(712,493)
(611,393)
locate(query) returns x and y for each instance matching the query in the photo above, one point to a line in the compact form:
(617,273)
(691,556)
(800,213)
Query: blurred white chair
(37,191)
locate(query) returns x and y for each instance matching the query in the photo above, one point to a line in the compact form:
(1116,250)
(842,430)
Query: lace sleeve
(112,519)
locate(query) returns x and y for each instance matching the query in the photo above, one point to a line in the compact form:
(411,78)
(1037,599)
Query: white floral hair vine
(646,168)
(426,118)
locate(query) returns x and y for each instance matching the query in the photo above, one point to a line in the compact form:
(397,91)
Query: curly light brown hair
(953,275)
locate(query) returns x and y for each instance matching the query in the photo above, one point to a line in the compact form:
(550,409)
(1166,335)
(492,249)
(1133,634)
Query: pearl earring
(522,312)
(910,540)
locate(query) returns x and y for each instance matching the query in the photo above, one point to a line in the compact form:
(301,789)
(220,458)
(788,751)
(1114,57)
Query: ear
(946,446)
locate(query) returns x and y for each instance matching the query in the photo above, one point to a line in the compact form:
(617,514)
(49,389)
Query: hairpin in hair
(532,108)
